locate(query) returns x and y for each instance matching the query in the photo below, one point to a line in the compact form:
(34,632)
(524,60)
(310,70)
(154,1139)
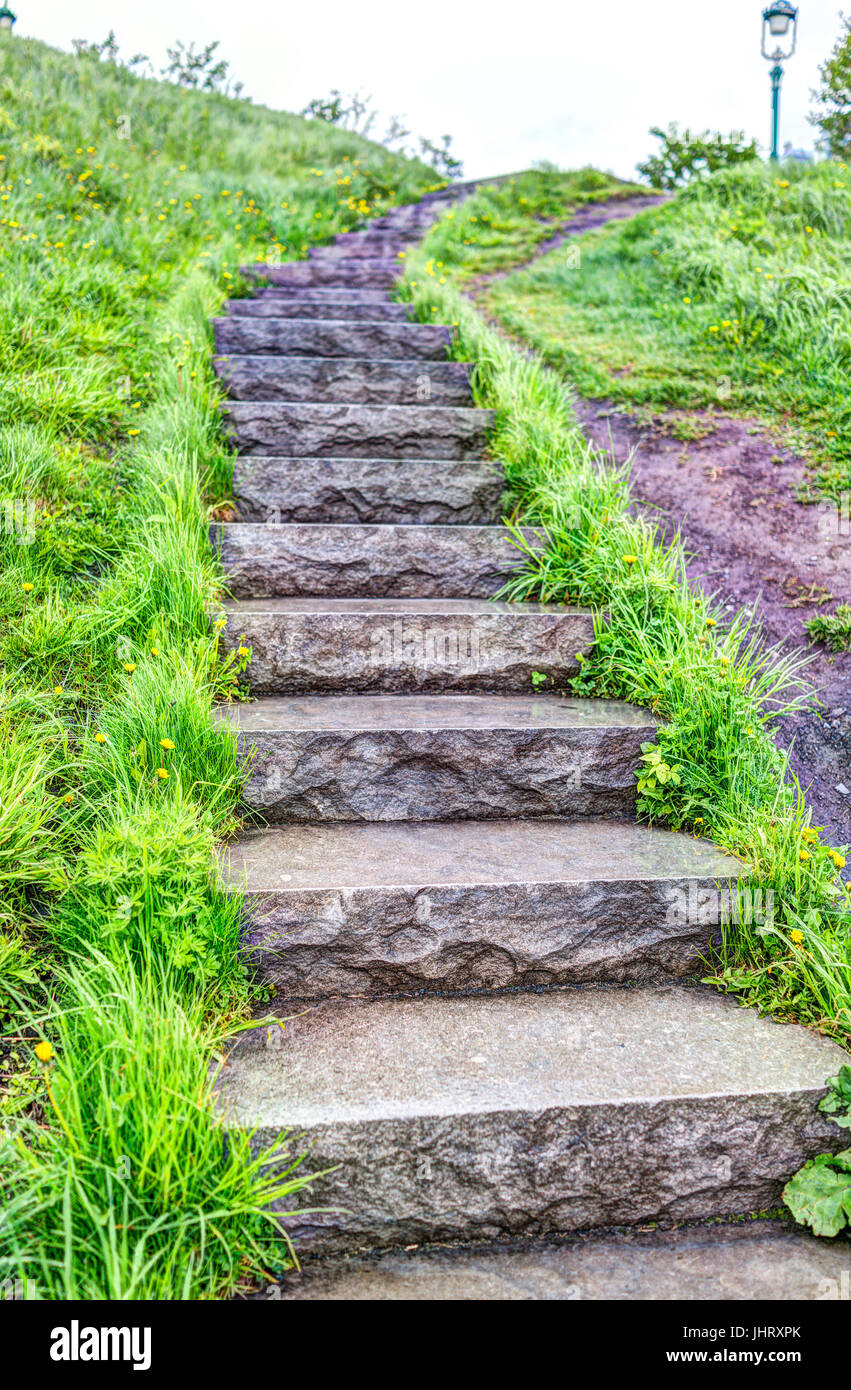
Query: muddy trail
(732,495)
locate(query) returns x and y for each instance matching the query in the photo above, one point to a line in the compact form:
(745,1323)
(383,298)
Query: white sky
(576,82)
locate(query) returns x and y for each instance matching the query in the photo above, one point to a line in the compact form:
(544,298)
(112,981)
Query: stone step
(344,294)
(332,338)
(365,561)
(439,757)
(454,492)
(374,272)
(767,1260)
(381,245)
(303,646)
(466,905)
(332,307)
(358,431)
(357,380)
(447,1119)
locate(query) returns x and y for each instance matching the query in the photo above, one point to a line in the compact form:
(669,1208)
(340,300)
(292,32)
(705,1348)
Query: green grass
(118,945)
(833,628)
(736,295)
(505,222)
(715,770)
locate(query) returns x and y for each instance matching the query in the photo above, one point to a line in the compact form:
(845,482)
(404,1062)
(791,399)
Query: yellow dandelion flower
(630,559)
(130,667)
(100,738)
(44,1051)
(796,937)
(27,588)
(166,744)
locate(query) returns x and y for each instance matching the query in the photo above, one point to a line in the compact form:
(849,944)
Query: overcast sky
(576,82)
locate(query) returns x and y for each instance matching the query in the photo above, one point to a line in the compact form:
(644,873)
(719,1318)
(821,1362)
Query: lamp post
(777,20)
(7,18)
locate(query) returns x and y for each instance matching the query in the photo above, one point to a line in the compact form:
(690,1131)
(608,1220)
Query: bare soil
(732,495)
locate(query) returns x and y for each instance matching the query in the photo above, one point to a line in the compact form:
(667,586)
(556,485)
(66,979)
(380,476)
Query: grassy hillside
(126,208)
(714,769)
(736,295)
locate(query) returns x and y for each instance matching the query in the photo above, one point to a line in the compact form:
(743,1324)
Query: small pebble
(843,790)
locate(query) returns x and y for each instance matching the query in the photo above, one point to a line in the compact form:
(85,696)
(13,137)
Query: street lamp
(777,20)
(7,18)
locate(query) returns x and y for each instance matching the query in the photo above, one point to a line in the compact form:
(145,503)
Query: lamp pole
(777,21)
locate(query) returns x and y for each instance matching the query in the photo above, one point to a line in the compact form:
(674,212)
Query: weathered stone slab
(304,646)
(330,294)
(380,272)
(433,757)
(395,907)
(371,561)
(285,307)
(332,338)
(381,245)
(520,1114)
(360,380)
(446,492)
(357,431)
(753,1260)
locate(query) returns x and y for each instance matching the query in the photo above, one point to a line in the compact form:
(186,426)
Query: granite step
(382,245)
(243,333)
(318,430)
(439,757)
(445,492)
(374,272)
(356,380)
(470,905)
(344,294)
(268,561)
(767,1260)
(333,307)
(310,645)
(519,1114)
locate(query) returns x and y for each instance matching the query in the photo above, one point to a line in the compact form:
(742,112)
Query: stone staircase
(487,968)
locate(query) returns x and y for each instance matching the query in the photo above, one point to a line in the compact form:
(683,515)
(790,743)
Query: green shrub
(689,154)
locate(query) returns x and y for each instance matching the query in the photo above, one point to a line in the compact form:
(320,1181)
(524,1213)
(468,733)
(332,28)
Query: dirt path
(732,494)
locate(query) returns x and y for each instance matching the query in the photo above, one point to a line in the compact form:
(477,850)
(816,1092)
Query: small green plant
(690,154)
(18,972)
(657,785)
(832,628)
(819,1195)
